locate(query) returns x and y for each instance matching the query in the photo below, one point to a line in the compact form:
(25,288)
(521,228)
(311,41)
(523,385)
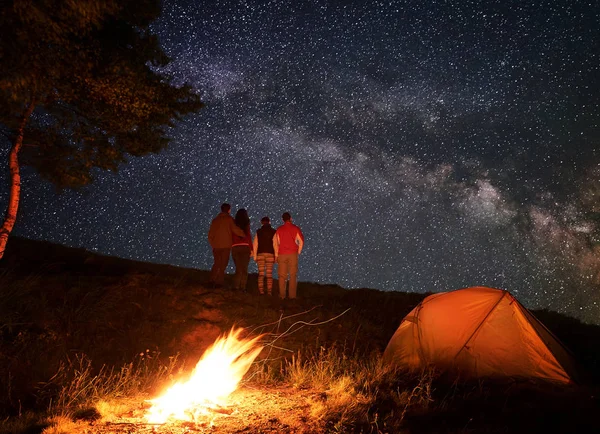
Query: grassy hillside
(78,329)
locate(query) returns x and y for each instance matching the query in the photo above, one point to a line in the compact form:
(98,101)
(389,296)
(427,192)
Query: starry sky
(421,146)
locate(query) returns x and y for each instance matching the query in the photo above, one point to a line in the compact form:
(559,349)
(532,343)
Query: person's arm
(276,244)
(211,234)
(235,229)
(255,246)
(299,240)
(248,237)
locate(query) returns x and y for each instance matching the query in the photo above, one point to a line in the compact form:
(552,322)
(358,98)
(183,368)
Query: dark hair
(241,219)
(265,220)
(225,207)
(286,216)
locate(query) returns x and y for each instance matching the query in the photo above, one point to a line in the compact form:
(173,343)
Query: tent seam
(569,353)
(419,346)
(504,292)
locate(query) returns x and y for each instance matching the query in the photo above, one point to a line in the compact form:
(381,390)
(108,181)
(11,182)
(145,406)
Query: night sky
(420,145)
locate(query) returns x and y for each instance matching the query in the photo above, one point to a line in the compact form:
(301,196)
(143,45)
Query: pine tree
(80,85)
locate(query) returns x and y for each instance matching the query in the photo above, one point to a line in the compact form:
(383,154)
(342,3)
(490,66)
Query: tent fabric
(479,332)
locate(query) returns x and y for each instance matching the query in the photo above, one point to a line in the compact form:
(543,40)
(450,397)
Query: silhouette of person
(264,255)
(241,249)
(287,243)
(220,236)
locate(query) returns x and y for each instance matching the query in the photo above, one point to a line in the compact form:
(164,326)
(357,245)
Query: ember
(214,378)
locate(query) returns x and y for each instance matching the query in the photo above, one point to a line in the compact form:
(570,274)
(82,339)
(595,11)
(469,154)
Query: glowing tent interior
(479,332)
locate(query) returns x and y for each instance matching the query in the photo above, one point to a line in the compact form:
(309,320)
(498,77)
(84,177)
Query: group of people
(232,237)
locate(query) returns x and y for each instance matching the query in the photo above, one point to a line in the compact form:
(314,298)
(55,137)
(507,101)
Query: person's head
(265,220)
(241,218)
(286,217)
(226,208)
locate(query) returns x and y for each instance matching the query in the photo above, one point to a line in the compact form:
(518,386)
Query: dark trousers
(241,259)
(221,260)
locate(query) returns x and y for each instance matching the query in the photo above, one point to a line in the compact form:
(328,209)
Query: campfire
(216,375)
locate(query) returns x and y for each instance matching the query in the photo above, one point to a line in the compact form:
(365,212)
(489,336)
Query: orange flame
(214,378)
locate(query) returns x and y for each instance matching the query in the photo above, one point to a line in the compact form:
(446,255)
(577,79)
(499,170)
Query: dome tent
(479,332)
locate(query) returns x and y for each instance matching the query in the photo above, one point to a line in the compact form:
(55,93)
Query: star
(420,146)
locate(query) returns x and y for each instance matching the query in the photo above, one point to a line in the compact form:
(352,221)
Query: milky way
(421,146)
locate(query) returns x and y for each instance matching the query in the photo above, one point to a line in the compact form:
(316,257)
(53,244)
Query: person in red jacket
(220,236)
(241,250)
(287,243)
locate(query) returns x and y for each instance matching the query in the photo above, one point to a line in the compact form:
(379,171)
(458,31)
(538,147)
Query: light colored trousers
(287,265)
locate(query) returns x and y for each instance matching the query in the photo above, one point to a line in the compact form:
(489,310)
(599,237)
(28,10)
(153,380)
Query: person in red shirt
(287,243)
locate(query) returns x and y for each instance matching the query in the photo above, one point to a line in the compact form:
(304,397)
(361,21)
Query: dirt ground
(274,410)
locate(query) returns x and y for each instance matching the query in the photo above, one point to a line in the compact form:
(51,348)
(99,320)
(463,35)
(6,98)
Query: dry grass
(341,380)
(61,425)
(75,392)
(351,388)
(79,338)
(23,423)
(343,392)
(77,387)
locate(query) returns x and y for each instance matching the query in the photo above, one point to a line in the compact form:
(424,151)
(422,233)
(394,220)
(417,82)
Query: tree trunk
(15,180)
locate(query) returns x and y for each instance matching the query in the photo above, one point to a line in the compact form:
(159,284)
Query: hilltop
(63,309)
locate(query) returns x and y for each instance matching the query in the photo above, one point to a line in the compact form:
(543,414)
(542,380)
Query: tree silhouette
(80,85)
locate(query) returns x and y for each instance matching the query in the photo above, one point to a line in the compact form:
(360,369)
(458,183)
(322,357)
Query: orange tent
(479,332)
